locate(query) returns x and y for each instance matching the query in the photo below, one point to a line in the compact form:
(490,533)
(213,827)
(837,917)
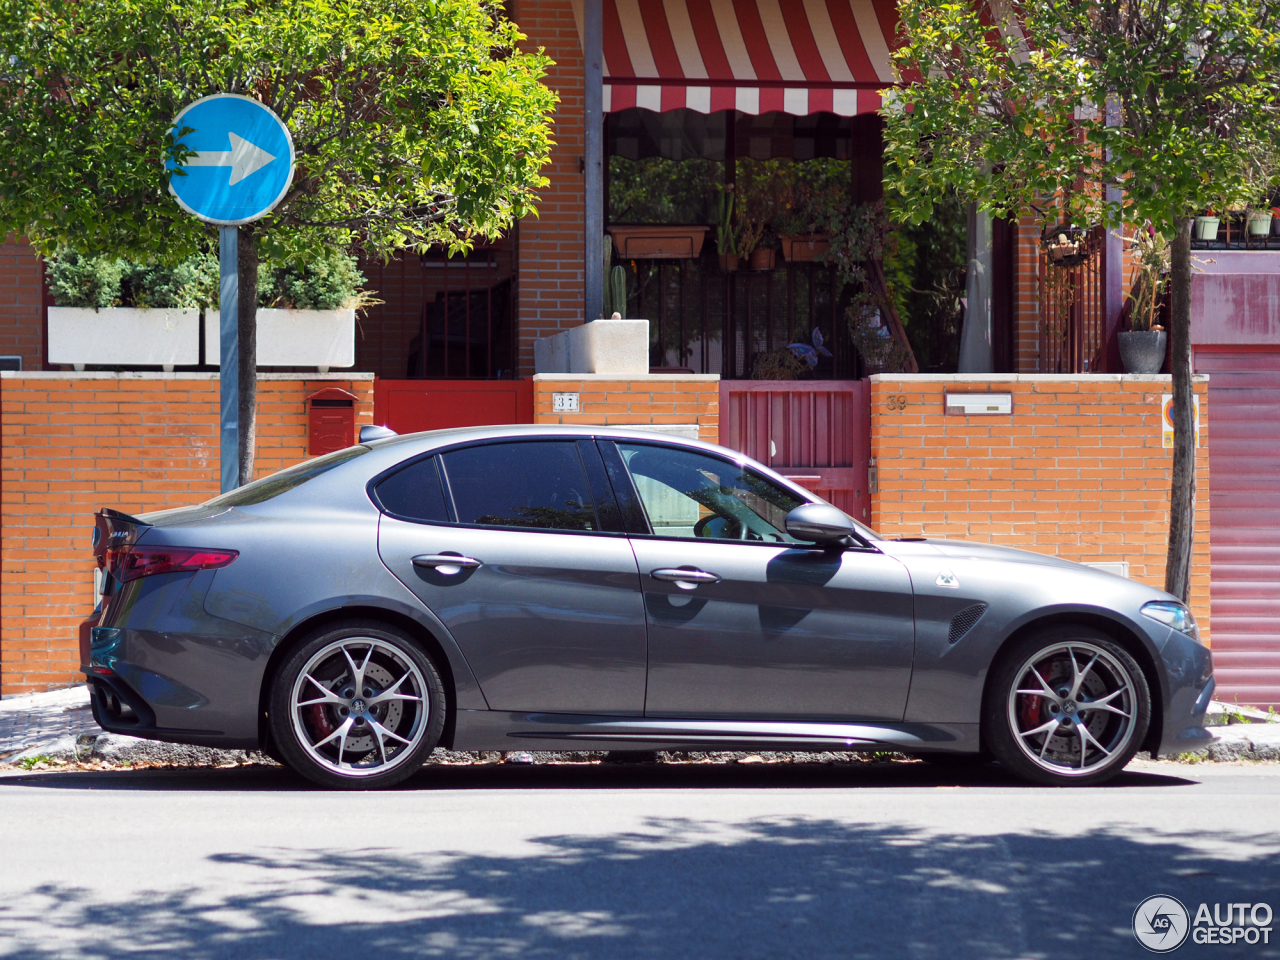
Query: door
(816,433)
(744,622)
(1244,462)
(509,545)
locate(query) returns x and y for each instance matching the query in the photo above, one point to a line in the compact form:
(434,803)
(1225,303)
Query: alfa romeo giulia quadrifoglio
(591,588)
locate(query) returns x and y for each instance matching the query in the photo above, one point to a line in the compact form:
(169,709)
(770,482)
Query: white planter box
(601,346)
(123,336)
(294,338)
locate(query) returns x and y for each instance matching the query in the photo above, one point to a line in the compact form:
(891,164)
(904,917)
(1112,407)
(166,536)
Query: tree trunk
(247,268)
(1182,496)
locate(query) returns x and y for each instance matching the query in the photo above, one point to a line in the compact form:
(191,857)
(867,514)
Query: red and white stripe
(757,56)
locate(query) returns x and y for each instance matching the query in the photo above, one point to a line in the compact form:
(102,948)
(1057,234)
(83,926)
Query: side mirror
(369,432)
(819,523)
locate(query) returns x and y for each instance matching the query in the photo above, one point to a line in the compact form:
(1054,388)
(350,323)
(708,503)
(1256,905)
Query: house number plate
(564,403)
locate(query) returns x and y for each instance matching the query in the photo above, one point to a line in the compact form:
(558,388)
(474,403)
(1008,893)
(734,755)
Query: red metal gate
(1244,464)
(816,432)
(407,406)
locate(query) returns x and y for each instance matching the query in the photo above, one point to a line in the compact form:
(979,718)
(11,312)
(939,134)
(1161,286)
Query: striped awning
(757,56)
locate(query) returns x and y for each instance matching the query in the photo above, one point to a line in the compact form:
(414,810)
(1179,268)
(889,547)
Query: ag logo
(1161,924)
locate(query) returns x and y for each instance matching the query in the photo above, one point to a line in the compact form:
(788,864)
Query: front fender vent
(964,621)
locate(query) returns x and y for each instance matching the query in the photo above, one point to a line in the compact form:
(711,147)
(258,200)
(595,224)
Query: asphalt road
(612,862)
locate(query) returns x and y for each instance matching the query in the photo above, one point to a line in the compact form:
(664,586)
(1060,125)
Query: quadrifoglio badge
(1162,924)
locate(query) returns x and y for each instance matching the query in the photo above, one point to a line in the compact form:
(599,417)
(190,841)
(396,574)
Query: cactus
(618,291)
(608,269)
(726,242)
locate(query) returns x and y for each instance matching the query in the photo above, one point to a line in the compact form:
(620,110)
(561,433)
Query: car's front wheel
(1066,706)
(357,705)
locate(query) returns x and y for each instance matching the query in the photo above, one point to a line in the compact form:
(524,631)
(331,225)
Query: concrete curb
(1245,741)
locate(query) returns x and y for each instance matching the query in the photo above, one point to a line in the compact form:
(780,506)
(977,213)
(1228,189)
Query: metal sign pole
(229,338)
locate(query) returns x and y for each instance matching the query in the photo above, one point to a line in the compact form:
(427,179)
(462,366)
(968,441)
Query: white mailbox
(979,404)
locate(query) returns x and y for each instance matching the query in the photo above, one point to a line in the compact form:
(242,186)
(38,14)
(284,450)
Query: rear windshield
(277,483)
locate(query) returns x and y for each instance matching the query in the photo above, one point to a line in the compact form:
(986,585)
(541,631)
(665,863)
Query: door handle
(682,577)
(446,564)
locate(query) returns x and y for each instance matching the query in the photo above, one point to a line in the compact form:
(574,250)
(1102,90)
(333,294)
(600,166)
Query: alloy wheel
(1072,708)
(359,707)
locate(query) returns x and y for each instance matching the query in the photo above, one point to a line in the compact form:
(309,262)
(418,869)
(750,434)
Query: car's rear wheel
(357,705)
(1066,706)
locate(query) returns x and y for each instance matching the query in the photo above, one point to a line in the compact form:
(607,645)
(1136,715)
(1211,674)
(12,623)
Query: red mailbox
(332,423)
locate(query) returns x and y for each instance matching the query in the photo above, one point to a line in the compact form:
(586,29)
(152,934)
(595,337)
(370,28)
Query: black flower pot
(1143,351)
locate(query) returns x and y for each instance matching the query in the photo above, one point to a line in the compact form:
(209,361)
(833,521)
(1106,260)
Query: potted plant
(1206,226)
(658,241)
(306,314)
(795,222)
(1065,245)
(1143,345)
(1258,223)
(113,312)
(1275,221)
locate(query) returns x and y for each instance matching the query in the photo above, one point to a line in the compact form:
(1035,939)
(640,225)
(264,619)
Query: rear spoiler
(112,530)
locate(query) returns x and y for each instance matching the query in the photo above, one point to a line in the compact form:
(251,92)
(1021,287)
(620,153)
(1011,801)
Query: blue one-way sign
(243,160)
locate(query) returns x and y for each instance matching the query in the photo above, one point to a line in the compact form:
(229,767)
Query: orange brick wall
(610,400)
(21,304)
(1026,297)
(1078,470)
(551,245)
(74,442)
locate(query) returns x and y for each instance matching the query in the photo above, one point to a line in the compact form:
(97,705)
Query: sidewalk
(38,720)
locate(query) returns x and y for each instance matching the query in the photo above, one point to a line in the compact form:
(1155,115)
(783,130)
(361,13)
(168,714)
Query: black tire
(1111,678)
(356,736)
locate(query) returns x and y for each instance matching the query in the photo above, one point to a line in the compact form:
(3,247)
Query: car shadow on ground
(672,888)
(573,776)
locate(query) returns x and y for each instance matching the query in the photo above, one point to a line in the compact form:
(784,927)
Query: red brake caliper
(1029,713)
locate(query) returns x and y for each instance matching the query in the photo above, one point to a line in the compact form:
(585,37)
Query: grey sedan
(576,588)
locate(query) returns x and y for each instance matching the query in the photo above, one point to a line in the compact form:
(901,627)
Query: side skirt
(496,730)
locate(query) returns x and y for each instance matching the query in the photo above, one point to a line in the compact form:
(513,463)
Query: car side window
(414,493)
(538,484)
(688,494)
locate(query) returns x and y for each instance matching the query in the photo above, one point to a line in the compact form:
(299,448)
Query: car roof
(410,443)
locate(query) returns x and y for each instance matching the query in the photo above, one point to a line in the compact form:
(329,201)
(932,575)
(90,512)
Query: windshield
(265,488)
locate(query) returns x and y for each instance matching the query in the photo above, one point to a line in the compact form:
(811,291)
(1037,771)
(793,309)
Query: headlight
(1172,614)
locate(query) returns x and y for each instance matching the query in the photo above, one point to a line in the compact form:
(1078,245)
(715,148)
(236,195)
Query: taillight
(130,563)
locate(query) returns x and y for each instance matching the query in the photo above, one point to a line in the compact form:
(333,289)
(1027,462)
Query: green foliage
(189,284)
(925,273)
(326,283)
(413,123)
(657,190)
(79,281)
(1151,262)
(1017,117)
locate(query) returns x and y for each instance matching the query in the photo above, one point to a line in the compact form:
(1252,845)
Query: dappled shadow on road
(672,888)
(638,776)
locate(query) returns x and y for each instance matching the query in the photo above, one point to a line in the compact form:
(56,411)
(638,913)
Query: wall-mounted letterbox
(331,422)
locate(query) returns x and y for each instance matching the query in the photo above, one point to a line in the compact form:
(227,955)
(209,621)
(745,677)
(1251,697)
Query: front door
(745,623)
(508,544)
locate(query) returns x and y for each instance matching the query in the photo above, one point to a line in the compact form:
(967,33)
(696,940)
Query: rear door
(544,597)
(744,622)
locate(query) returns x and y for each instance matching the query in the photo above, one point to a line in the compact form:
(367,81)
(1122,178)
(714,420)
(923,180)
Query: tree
(414,123)
(1120,111)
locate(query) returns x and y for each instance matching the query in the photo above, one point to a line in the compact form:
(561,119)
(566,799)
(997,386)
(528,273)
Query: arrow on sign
(243,158)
